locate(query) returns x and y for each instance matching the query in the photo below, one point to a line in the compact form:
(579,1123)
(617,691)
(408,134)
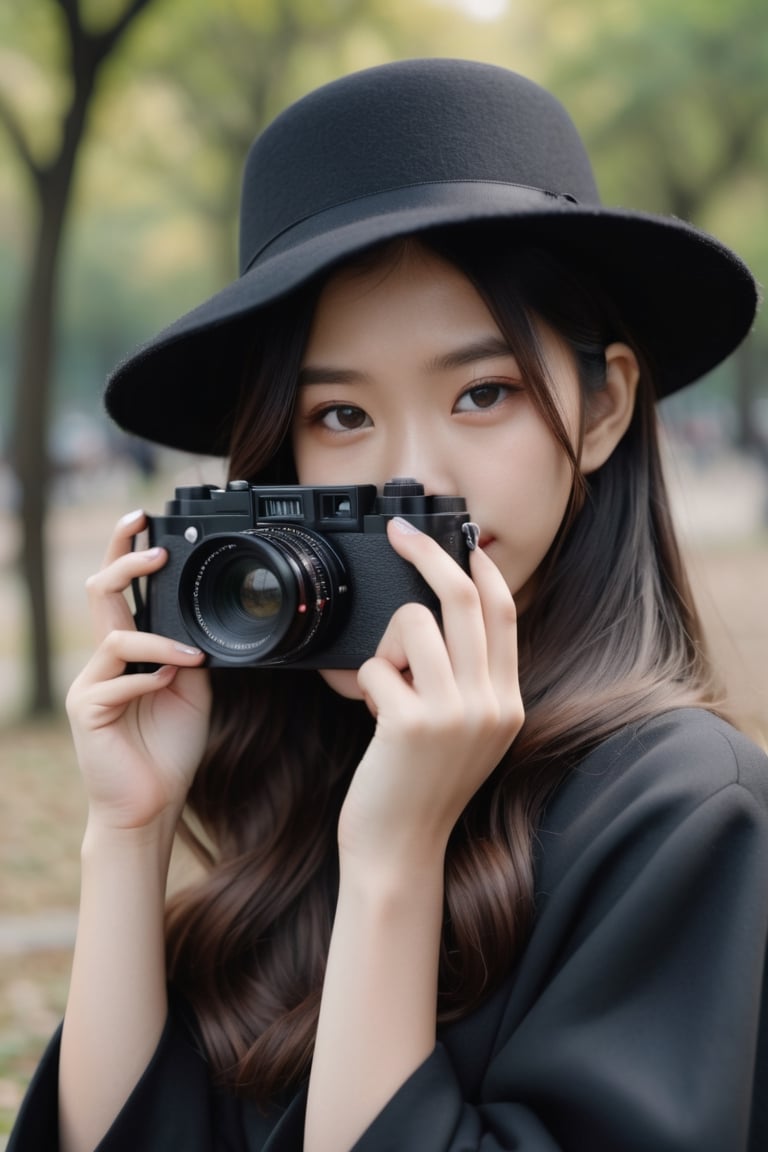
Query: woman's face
(407,374)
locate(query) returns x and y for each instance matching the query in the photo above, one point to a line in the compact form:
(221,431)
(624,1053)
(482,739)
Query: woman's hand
(447,707)
(139,737)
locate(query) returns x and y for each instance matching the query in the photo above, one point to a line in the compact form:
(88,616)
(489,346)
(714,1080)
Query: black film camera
(294,576)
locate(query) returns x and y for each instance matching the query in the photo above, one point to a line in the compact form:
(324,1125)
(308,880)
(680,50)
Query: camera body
(290,576)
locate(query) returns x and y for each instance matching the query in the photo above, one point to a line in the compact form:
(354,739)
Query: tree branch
(88,51)
(106,41)
(10,122)
(71,10)
(95,46)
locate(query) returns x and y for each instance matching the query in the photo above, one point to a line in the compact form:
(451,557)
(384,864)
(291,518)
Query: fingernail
(188,651)
(153,553)
(131,516)
(471,534)
(405,526)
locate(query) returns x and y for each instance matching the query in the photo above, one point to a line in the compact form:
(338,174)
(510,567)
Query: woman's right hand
(139,736)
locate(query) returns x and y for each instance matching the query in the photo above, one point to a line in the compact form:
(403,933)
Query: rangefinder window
(277,507)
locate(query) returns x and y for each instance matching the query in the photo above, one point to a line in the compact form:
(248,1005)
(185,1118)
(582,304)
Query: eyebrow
(487,348)
(320,374)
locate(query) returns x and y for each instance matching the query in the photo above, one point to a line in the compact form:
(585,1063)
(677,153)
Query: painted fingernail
(405,526)
(130,517)
(471,534)
(187,650)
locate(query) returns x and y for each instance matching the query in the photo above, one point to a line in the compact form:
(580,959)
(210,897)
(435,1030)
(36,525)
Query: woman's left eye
(341,418)
(481,397)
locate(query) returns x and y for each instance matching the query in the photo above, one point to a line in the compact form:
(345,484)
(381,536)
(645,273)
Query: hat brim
(688,299)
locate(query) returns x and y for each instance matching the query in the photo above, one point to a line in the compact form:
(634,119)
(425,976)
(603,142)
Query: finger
(380,683)
(412,644)
(121,543)
(106,589)
(500,620)
(121,648)
(106,696)
(121,540)
(462,614)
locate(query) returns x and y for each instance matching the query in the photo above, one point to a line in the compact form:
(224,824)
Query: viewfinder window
(335,505)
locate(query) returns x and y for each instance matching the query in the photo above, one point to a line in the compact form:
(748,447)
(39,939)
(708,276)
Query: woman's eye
(482,396)
(343,418)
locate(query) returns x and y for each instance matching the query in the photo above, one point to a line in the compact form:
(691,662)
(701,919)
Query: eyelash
(319,416)
(503,388)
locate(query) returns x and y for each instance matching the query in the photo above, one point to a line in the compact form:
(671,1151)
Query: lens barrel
(273,593)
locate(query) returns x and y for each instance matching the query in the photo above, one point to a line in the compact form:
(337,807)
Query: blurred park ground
(101,247)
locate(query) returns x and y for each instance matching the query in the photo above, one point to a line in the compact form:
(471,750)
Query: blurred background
(123,128)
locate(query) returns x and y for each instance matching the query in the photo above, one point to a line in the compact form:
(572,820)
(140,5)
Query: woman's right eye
(342,418)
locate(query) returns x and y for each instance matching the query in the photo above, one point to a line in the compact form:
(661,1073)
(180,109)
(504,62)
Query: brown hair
(611,638)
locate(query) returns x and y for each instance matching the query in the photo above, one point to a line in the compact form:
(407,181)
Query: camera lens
(271,594)
(259,592)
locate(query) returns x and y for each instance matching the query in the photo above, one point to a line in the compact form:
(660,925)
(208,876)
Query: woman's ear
(609,411)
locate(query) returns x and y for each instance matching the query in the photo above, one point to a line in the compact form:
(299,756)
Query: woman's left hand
(447,707)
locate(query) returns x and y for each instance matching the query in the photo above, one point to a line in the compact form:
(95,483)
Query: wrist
(399,858)
(149,842)
(398,879)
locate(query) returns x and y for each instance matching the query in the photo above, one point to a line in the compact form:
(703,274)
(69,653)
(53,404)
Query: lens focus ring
(265,595)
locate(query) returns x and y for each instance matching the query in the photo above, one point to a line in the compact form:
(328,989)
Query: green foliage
(673,100)
(154,222)
(33,78)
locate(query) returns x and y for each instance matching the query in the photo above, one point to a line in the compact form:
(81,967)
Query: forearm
(378,1012)
(117,1001)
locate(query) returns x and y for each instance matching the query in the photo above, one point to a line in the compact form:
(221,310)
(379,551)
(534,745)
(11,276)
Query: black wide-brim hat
(406,147)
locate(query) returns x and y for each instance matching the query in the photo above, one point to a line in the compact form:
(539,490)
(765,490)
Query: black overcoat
(635,1021)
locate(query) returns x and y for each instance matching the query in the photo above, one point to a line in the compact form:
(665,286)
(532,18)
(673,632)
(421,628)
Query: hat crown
(404,124)
(401,149)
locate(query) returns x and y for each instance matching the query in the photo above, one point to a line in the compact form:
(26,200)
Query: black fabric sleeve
(170,1108)
(643,1031)
(37,1128)
(635,1020)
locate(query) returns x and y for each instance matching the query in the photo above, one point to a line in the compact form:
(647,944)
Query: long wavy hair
(611,638)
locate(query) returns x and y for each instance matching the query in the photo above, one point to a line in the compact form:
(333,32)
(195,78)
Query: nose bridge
(415,449)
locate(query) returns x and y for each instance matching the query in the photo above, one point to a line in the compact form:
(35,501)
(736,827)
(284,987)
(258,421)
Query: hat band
(466,199)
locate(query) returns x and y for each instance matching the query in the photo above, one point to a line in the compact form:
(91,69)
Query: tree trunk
(53,184)
(36,348)
(33,384)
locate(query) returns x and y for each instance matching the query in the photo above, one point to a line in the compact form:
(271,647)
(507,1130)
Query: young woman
(504,885)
